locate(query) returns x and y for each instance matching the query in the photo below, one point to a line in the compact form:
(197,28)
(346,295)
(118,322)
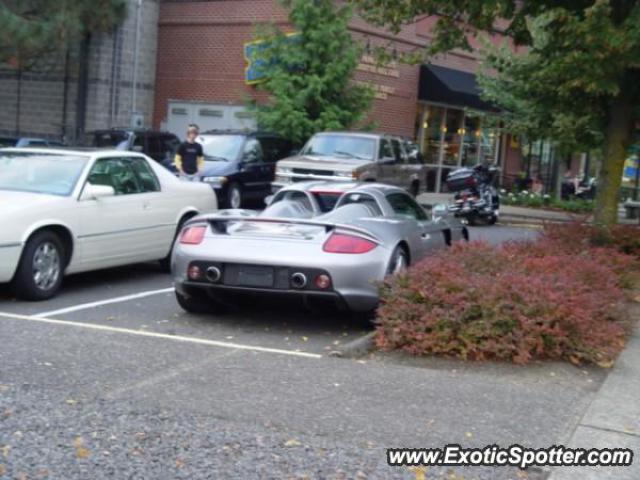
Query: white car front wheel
(41,268)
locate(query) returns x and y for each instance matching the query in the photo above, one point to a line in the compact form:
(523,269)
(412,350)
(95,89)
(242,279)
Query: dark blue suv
(240,166)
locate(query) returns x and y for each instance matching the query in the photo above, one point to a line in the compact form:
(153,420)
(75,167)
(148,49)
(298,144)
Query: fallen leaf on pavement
(606,363)
(421,472)
(81,451)
(292,443)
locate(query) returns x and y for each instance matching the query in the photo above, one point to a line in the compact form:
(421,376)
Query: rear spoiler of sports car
(220,224)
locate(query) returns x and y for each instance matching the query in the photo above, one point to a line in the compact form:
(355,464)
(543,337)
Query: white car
(68,211)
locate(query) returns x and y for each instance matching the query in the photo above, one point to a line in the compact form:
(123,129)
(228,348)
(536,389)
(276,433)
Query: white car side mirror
(96,192)
(268,200)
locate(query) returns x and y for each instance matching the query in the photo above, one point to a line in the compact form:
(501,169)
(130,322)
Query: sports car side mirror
(96,192)
(439,211)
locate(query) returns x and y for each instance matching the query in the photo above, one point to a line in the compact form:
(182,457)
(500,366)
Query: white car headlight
(215,180)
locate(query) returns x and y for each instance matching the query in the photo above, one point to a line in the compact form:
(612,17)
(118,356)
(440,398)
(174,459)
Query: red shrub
(517,302)
(579,235)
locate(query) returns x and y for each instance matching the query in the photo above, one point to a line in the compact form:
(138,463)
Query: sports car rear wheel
(399,261)
(197,301)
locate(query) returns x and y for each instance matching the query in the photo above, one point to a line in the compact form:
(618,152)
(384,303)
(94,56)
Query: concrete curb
(357,348)
(525,221)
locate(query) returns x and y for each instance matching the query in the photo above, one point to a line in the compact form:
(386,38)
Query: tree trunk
(616,144)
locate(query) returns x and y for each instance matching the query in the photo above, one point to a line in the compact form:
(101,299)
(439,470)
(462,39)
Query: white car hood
(13,202)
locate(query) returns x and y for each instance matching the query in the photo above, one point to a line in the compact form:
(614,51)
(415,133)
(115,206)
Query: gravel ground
(118,440)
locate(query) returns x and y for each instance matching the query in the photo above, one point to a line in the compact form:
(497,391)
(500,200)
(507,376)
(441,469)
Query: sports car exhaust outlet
(298,280)
(214,274)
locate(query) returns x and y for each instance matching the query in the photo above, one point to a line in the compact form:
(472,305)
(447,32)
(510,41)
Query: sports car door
(426,236)
(114,229)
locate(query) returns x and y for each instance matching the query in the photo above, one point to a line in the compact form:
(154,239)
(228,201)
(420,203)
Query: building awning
(451,87)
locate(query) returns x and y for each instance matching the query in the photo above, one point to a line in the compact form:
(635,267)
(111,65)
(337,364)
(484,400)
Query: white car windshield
(343,146)
(221,148)
(53,174)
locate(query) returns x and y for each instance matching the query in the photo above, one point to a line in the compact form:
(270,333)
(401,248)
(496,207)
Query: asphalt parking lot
(112,379)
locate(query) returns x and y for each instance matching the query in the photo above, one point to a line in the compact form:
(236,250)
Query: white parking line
(85,306)
(163,336)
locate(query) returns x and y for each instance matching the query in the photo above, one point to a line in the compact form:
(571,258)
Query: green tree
(309,77)
(33,30)
(580,72)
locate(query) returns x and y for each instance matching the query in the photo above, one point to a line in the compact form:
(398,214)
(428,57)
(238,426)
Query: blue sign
(254,72)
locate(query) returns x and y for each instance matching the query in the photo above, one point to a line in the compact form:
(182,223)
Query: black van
(240,166)
(161,146)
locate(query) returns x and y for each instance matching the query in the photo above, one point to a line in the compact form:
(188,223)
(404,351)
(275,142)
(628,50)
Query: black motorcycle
(475,196)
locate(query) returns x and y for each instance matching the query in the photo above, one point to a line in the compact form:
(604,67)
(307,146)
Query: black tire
(472,219)
(234,196)
(199,302)
(399,255)
(492,219)
(47,250)
(165,263)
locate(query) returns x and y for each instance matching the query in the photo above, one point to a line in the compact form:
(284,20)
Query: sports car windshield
(344,146)
(40,173)
(222,148)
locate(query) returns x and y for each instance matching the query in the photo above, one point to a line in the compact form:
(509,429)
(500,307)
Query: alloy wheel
(46,266)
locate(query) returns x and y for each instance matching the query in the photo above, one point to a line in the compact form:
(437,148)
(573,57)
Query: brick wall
(200,58)
(110,79)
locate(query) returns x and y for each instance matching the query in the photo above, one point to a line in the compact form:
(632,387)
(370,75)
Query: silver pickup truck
(347,156)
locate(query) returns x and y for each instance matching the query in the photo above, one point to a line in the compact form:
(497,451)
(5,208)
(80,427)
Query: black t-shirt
(189,152)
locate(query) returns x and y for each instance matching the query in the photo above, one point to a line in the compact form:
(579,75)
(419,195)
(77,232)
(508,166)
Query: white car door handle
(426,236)
(146,206)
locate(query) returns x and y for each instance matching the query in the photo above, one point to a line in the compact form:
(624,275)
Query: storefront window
(471,140)
(453,136)
(489,143)
(432,134)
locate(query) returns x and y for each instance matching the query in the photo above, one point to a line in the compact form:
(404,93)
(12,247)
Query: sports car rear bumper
(363,303)
(353,277)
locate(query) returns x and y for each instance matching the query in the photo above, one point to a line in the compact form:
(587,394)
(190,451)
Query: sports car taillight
(342,243)
(193,235)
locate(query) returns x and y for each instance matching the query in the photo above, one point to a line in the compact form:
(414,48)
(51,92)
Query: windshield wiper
(211,158)
(350,155)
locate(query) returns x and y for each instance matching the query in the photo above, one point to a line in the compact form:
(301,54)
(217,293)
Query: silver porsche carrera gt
(324,242)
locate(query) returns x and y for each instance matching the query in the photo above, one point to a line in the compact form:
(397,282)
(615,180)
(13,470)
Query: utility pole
(136,55)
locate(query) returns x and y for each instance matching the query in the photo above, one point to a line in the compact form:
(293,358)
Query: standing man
(190,157)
